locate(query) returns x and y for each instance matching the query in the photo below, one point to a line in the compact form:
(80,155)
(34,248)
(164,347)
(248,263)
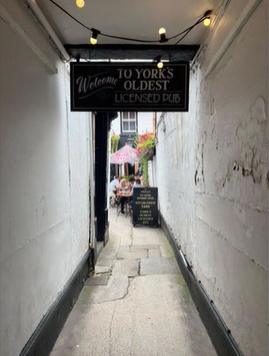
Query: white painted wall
(44,208)
(144,123)
(215,196)
(115,126)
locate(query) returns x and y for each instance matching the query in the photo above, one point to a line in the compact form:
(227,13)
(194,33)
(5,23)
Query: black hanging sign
(129,87)
(145,207)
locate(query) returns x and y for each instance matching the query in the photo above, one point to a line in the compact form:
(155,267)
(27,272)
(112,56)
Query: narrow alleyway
(136,304)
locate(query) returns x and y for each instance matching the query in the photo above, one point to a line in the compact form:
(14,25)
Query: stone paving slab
(144,247)
(126,267)
(134,255)
(157,266)
(104,269)
(148,237)
(116,288)
(123,248)
(154,253)
(164,252)
(97,280)
(126,240)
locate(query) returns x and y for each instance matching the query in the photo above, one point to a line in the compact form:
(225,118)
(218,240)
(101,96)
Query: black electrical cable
(72,17)
(191,27)
(128,39)
(100,34)
(207,13)
(187,32)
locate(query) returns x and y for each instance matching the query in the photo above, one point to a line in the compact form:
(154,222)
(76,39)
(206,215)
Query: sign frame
(130,86)
(145,206)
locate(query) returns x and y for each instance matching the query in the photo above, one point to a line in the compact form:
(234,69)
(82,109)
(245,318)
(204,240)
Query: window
(128,121)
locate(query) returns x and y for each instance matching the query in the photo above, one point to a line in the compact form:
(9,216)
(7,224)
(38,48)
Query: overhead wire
(186,32)
(128,38)
(158,58)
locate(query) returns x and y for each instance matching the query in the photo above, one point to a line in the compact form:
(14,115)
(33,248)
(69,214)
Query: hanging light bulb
(207,21)
(93,39)
(159,62)
(162,33)
(80,3)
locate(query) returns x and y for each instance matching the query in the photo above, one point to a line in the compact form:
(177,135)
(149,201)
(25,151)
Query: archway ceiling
(139,19)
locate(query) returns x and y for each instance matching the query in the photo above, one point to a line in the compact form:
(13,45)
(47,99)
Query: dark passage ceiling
(132,19)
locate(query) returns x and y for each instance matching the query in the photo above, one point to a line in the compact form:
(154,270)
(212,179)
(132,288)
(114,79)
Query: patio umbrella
(126,155)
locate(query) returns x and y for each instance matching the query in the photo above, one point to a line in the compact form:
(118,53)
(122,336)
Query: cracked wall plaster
(215,199)
(252,138)
(199,160)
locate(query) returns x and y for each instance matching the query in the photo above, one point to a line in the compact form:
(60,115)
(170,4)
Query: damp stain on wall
(199,163)
(251,160)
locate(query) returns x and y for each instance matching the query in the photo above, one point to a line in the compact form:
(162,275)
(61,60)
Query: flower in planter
(145,150)
(146,146)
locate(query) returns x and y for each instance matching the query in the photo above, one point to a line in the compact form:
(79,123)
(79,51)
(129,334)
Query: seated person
(123,188)
(137,184)
(118,184)
(113,184)
(131,183)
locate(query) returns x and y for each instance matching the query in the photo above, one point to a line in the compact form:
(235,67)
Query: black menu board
(145,207)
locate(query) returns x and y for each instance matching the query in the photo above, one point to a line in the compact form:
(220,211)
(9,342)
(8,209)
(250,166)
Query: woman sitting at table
(118,184)
(122,189)
(122,186)
(137,184)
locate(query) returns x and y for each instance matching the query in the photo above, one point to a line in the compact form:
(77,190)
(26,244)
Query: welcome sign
(129,87)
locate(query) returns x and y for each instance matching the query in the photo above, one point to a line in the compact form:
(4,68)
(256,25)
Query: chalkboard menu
(145,207)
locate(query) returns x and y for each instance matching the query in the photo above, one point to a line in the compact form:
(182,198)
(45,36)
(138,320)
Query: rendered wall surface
(213,190)
(144,123)
(44,184)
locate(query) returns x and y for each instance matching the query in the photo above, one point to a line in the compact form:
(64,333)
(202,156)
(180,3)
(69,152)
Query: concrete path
(137,304)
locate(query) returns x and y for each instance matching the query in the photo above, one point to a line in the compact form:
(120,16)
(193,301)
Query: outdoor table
(128,196)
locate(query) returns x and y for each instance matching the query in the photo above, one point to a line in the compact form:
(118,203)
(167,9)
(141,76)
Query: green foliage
(145,174)
(114,142)
(145,150)
(136,140)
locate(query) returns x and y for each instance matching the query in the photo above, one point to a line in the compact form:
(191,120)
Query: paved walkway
(137,304)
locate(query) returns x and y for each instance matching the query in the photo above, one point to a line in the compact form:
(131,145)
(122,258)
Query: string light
(206,14)
(80,3)
(207,21)
(159,62)
(95,33)
(162,33)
